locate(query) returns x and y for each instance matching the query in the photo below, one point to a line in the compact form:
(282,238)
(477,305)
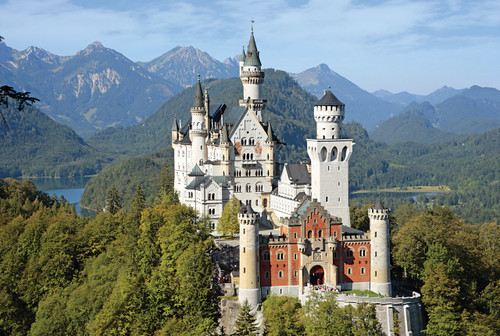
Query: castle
(224,151)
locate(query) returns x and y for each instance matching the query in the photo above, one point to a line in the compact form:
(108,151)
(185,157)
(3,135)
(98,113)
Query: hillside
(94,89)
(126,176)
(361,106)
(34,145)
(182,65)
(289,108)
(472,111)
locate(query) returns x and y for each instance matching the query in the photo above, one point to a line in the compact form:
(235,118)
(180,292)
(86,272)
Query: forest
(147,270)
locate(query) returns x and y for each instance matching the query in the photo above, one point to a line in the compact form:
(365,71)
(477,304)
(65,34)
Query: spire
(198,97)
(175,125)
(243,55)
(252,57)
(224,138)
(270,134)
(379,206)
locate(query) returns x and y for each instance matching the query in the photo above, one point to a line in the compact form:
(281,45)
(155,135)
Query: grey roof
(379,205)
(298,173)
(329,99)
(252,57)
(346,230)
(196,171)
(247,209)
(300,196)
(175,125)
(198,96)
(224,138)
(300,210)
(186,140)
(205,180)
(270,133)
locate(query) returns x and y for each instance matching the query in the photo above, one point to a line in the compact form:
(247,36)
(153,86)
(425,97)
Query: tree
(166,186)
(325,318)
(283,316)
(228,221)
(246,324)
(113,201)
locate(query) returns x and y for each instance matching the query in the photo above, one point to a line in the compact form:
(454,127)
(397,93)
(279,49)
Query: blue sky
(401,45)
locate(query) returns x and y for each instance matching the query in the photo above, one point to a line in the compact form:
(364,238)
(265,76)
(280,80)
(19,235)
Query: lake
(71,188)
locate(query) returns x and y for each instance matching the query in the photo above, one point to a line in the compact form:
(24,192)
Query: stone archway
(317,275)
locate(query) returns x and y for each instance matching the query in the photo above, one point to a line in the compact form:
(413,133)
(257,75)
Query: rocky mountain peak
(91,48)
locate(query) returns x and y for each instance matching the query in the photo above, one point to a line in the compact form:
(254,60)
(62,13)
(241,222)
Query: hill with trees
(32,144)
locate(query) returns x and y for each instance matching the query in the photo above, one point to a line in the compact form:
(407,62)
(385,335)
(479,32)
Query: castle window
(335,234)
(335,254)
(256,202)
(339,199)
(295,235)
(280,255)
(362,252)
(320,233)
(244,270)
(375,253)
(266,256)
(363,272)
(309,234)
(244,250)
(375,273)
(295,256)
(349,253)
(266,275)
(248,188)
(295,274)
(349,271)
(326,199)
(338,183)
(268,173)
(280,275)
(375,234)
(243,231)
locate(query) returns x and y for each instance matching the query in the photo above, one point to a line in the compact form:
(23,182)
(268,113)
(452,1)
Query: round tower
(329,154)
(380,279)
(198,131)
(249,251)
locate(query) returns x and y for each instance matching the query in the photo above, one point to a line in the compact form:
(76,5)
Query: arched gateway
(317,275)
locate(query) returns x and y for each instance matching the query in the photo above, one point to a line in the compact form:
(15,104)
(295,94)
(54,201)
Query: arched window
(322,154)
(266,256)
(362,252)
(280,274)
(280,255)
(334,154)
(248,188)
(363,271)
(349,271)
(344,154)
(309,234)
(349,253)
(320,233)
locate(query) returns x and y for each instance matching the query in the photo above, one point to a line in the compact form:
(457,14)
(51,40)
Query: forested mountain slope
(32,144)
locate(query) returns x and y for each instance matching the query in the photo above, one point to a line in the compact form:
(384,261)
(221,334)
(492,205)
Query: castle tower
(252,78)
(175,131)
(270,149)
(198,131)
(380,255)
(249,250)
(329,154)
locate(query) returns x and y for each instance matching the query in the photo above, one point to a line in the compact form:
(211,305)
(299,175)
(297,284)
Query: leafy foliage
(228,222)
(283,316)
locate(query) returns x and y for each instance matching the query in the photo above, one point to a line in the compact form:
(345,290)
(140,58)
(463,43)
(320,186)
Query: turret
(175,130)
(249,250)
(270,147)
(328,114)
(252,78)
(380,251)
(198,131)
(330,154)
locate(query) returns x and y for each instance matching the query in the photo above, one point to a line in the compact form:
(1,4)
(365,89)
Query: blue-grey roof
(329,99)
(379,205)
(222,181)
(346,230)
(196,171)
(252,57)
(300,210)
(298,173)
(198,96)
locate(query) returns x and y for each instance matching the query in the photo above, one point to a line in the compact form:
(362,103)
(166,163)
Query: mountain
(32,144)
(404,98)
(475,110)
(409,126)
(183,64)
(361,106)
(440,95)
(94,89)
(401,99)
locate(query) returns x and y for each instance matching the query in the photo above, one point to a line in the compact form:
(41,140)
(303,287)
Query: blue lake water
(69,188)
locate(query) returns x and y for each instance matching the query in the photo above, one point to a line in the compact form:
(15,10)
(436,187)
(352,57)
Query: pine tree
(168,194)
(113,201)
(138,203)
(246,324)
(228,222)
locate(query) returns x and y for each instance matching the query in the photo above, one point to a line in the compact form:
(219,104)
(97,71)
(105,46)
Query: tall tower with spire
(252,77)
(329,154)
(198,131)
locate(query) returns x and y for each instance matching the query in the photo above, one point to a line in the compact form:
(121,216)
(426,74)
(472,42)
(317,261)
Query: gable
(248,127)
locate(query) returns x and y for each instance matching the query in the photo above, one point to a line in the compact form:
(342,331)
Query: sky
(399,45)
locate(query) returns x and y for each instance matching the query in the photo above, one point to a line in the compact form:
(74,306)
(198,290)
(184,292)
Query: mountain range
(472,111)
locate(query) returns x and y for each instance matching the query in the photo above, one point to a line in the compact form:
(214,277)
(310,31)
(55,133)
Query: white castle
(224,151)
